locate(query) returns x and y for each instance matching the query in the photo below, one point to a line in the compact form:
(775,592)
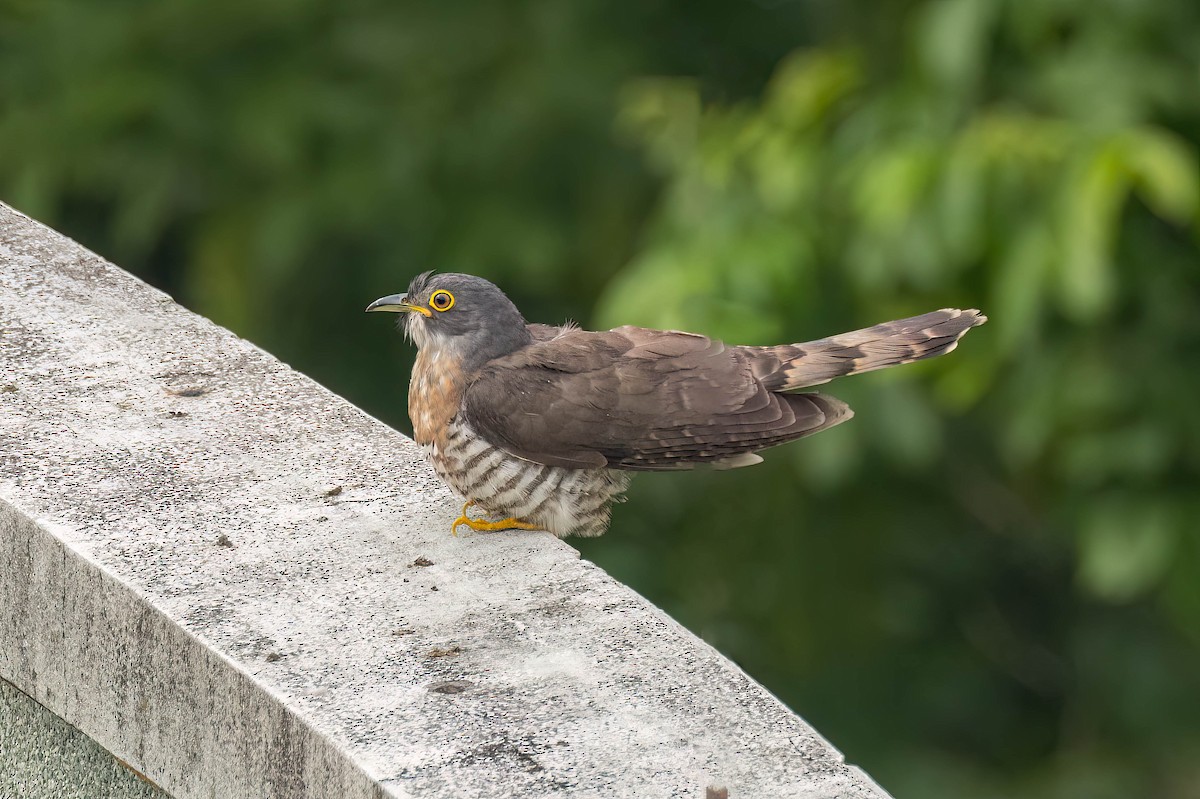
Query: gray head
(460,313)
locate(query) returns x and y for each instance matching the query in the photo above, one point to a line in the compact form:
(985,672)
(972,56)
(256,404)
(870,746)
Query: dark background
(987,584)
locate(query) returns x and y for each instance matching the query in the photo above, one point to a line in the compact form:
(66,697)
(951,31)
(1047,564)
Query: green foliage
(988,583)
(1065,431)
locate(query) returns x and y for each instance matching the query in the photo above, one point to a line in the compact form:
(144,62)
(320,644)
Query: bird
(541,427)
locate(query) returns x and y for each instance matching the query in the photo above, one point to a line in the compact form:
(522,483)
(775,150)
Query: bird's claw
(482,525)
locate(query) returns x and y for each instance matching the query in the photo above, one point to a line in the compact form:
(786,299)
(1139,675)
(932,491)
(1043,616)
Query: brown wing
(633,398)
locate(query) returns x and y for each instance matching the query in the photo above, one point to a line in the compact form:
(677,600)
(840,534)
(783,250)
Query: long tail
(791,366)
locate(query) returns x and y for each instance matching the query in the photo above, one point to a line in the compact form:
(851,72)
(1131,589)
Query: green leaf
(1125,547)
(1092,201)
(807,84)
(1019,287)
(892,182)
(1165,172)
(663,115)
(951,40)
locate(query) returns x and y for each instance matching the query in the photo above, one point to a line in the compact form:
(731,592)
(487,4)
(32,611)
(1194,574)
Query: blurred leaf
(1092,199)
(1020,287)
(893,183)
(962,220)
(951,40)
(663,114)
(1139,452)
(1125,548)
(905,425)
(1166,172)
(807,86)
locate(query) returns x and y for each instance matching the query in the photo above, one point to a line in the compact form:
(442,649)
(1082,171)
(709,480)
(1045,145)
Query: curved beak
(396,303)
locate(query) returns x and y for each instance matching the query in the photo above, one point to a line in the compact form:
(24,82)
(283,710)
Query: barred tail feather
(792,366)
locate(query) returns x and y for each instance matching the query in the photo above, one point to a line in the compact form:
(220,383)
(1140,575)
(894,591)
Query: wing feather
(638,399)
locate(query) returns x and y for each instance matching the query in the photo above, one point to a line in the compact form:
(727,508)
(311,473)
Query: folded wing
(637,399)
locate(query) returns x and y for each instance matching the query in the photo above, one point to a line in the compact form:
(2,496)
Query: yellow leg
(479,525)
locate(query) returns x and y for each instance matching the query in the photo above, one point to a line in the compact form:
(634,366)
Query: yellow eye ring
(441,300)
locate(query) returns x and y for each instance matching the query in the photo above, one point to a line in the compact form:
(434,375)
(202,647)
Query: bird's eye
(441,301)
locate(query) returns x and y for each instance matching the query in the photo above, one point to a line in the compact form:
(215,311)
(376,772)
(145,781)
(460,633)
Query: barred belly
(563,501)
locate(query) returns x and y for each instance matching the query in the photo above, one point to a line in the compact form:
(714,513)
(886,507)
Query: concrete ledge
(43,757)
(206,565)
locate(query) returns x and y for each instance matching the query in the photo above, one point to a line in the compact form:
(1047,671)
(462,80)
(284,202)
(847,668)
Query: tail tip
(974,315)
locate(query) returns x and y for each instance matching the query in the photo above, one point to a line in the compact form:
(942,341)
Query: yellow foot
(480,525)
(463,519)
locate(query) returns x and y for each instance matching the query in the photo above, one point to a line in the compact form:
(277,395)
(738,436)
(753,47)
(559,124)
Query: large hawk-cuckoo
(544,425)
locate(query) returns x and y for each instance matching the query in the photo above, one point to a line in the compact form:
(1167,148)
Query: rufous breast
(434,395)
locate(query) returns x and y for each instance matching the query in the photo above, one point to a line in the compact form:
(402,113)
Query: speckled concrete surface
(43,757)
(206,565)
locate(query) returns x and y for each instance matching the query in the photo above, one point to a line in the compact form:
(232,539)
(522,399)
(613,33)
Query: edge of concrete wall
(44,757)
(207,562)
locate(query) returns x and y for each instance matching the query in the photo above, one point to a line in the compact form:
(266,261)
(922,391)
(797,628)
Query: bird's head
(464,314)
